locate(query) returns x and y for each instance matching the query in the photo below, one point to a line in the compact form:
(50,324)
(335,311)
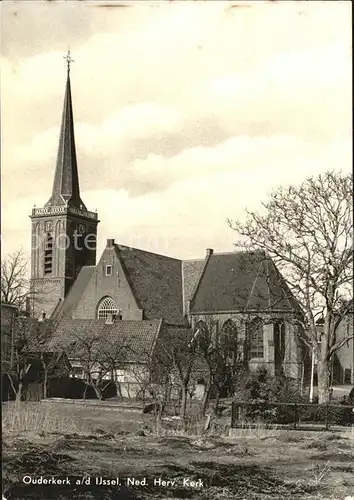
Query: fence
(296,415)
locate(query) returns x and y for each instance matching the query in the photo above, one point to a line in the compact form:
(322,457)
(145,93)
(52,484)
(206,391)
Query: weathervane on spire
(68,59)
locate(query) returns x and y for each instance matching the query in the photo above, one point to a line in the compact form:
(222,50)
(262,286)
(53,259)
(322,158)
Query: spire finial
(69,60)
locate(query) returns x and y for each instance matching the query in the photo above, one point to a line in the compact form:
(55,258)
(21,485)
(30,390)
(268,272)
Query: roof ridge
(120,246)
(65,303)
(253,285)
(118,252)
(201,275)
(237,252)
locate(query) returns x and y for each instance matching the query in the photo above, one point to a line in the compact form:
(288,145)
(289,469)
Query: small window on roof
(108,270)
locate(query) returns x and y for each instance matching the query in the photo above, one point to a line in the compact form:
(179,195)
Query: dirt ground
(87,446)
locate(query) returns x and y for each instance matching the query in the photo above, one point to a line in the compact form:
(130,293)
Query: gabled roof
(138,337)
(242,281)
(156,282)
(75,293)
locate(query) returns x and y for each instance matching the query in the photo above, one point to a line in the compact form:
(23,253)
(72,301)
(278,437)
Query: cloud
(185,113)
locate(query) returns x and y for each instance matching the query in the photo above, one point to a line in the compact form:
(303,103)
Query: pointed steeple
(66,189)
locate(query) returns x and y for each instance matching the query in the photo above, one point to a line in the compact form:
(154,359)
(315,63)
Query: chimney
(110,243)
(209,251)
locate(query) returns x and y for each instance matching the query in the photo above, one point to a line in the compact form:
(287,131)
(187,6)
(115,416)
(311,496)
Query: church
(134,289)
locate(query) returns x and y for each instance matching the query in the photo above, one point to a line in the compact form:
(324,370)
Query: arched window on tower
(255,339)
(48,254)
(106,307)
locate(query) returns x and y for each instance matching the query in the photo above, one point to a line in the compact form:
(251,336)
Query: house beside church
(8,318)
(139,292)
(343,362)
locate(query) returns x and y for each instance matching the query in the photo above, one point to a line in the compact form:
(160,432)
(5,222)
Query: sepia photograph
(177,250)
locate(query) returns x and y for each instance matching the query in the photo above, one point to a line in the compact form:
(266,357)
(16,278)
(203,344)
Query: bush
(336,415)
(262,390)
(259,389)
(260,386)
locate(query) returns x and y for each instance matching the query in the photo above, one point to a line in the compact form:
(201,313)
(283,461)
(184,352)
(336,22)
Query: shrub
(260,388)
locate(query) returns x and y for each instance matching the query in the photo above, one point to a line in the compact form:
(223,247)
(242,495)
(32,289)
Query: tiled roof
(137,336)
(51,359)
(172,335)
(75,292)
(191,271)
(156,282)
(241,281)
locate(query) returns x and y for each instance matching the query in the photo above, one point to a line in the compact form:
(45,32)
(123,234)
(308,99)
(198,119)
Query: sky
(186,113)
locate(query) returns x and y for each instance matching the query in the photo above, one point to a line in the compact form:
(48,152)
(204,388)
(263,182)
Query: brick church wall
(115,286)
(292,363)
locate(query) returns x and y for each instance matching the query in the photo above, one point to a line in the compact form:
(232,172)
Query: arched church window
(255,339)
(201,325)
(48,254)
(228,342)
(229,328)
(279,338)
(228,334)
(106,307)
(201,332)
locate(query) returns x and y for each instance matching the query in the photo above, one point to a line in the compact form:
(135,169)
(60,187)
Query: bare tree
(176,356)
(29,349)
(14,279)
(222,356)
(16,287)
(98,356)
(307,231)
(18,366)
(40,340)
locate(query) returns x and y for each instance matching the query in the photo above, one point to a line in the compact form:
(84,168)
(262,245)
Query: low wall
(94,403)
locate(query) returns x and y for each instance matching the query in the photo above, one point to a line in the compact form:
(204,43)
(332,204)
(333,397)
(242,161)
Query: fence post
(233,414)
(327,423)
(295,415)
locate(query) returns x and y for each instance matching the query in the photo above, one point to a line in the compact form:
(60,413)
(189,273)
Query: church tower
(64,232)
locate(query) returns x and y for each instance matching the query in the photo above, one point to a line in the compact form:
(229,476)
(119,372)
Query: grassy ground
(82,444)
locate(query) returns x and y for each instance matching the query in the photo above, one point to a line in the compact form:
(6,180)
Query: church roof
(156,282)
(75,293)
(191,271)
(241,281)
(138,337)
(66,180)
